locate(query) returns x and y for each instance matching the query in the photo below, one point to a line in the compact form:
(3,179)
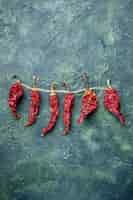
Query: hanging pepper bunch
(111,102)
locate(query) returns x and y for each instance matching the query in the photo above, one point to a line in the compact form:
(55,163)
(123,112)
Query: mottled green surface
(60,39)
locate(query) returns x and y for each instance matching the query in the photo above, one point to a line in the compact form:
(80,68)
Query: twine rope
(61,91)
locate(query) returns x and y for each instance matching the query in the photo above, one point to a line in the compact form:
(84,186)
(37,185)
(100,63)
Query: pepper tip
(64,133)
(27,124)
(17,116)
(42,134)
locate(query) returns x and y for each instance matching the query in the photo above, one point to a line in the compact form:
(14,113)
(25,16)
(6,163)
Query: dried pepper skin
(111,103)
(54,111)
(88,105)
(68,103)
(34,107)
(16,93)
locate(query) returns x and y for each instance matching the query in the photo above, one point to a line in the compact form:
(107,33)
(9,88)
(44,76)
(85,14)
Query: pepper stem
(18,81)
(35,79)
(65,85)
(52,89)
(84,78)
(109,83)
(16,78)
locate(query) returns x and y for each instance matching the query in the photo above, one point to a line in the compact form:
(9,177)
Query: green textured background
(56,40)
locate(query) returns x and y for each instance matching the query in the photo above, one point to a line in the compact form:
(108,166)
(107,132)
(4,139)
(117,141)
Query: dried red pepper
(16,93)
(33,107)
(68,102)
(54,111)
(111,103)
(88,104)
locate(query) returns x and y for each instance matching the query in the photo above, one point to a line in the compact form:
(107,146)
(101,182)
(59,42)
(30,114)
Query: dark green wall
(58,40)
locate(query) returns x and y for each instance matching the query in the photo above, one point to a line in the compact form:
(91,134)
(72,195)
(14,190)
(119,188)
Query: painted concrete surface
(58,40)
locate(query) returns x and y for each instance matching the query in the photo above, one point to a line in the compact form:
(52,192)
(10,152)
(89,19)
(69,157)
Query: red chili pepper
(112,103)
(33,107)
(68,102)
(54,111)
(16,93)
(88,104)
